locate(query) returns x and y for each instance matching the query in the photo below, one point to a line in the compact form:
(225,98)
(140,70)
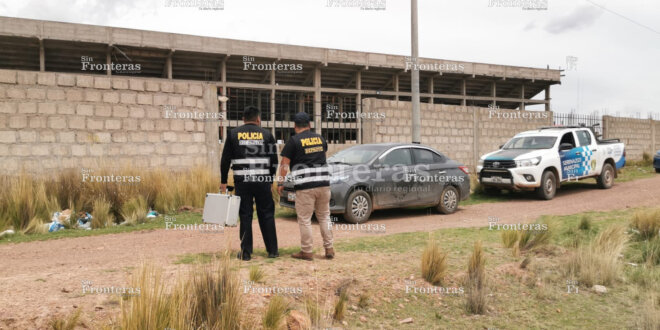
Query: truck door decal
(576,163)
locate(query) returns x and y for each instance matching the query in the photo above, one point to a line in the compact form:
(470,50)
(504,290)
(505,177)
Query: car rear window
(424,156)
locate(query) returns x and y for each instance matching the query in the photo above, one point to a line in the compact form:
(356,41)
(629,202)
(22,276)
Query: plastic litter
(152,214)
(84,220)
(7,233)
(55,225)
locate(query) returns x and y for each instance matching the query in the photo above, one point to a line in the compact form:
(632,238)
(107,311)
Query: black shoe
(243,256)
(273,255)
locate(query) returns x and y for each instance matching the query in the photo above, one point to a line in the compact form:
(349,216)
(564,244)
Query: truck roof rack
(569,126)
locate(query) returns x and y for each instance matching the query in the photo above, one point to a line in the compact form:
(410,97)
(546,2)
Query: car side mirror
(376,165)
(565,146)
(501,146)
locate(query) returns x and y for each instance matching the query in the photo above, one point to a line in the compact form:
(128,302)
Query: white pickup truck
(541,159)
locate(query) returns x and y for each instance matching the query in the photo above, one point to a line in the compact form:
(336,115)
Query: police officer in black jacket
(251,152)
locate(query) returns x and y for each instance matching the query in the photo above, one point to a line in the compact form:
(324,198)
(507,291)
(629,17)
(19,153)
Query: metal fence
(574,119)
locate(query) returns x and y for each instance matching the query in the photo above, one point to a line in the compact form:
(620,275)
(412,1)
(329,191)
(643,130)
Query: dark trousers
(259,192)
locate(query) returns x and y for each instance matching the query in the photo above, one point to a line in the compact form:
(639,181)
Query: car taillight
(464,169)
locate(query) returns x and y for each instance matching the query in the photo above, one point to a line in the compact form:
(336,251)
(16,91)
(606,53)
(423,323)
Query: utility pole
(416,118)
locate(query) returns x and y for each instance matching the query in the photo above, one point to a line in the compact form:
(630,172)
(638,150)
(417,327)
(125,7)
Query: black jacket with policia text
(309,169)
(251,151)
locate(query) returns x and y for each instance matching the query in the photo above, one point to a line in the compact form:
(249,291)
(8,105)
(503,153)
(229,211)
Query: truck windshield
(531,142)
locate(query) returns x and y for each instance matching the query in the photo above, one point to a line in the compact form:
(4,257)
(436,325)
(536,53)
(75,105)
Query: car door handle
(578,153)
(442,172)
(594,149)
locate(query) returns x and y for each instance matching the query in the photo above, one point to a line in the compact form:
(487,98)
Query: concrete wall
(639,135)
(462,133)
(52,121)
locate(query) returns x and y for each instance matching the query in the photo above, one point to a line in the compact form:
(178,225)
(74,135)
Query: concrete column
(213,153)
(42,56)
(168,64)
(272,101)
(317,99)
(547,98)
(395,81)
(464,93)
(358,104)
(108,60)
(652,123)
(493,92)
(223,78)
(431,89)
(522,97)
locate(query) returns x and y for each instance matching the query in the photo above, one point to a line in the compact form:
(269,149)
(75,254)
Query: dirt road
(38,279)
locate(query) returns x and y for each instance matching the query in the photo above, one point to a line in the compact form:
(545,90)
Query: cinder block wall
(638,135)
(52,121)
(462,133)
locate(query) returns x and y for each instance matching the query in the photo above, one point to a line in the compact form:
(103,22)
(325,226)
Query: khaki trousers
(309,201)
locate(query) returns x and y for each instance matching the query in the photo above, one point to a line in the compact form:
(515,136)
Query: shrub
(434,262)
(216,296)
(275,314)
(475,281)
(646,223)
(597,263)
(524,240)
(25,203)
(101,216)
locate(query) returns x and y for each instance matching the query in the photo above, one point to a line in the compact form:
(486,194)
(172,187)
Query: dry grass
(256,274)
(646,223)
(135,210)
(101,216)
(339,310)
(434,262)
(526,240)
(28,201)
(585,223)
(313,310)
(275,315)
(475,281)
(651,251)
(651,317)
(25,205)
(597,263)
(68,323)
(209,298)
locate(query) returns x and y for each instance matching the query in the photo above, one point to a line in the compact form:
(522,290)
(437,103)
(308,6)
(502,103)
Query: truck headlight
(338,178)
(528,162)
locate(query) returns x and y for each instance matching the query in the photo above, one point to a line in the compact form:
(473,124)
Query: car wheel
(358,207)
(492,190)
(448,200)
(657,170)
(548,187)
(606,178)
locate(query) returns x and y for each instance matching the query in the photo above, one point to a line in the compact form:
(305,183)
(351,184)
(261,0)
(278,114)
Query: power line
(624,17)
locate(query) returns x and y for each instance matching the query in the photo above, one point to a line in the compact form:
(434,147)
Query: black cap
(301,118)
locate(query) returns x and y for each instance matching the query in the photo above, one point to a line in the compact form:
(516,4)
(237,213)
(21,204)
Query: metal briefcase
(221,209)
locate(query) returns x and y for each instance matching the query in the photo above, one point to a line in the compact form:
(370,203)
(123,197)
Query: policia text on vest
(251,152)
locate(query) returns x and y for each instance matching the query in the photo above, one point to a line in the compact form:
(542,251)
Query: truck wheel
(358,207)
(548,187)
(606,178)
(448,200)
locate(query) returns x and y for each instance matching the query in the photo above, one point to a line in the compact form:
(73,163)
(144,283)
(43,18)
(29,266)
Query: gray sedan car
(391,175)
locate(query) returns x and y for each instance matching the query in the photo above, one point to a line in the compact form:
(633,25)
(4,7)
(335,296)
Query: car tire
(606,178)
(548,187)
(657,170)
(492,190)
(449,199)
(358,207)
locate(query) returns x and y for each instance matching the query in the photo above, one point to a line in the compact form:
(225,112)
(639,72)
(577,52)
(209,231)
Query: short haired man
(251,152)
(304,153)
